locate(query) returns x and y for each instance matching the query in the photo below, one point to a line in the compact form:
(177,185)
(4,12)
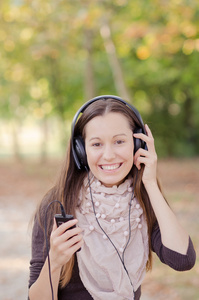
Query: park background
(55,55)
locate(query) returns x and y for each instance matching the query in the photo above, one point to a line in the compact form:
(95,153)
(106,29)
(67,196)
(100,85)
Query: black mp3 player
(60,219)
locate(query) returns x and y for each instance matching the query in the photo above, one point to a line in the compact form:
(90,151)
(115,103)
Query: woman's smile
(110,167)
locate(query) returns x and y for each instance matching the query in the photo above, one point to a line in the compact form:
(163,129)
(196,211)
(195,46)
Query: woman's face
(109,148)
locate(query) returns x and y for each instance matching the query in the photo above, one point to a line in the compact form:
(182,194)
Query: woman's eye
(119,142)
(96,144)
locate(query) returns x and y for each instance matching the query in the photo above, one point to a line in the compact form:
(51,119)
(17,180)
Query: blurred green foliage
(56,54)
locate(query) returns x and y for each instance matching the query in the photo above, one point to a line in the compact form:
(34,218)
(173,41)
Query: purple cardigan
(75,289)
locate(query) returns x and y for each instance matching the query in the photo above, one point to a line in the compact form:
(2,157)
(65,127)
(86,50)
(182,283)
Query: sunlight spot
(26,34)
(35,92)
(174,109)
(9,45)
(143,52)
(188,46)
(197,45)
(2,35)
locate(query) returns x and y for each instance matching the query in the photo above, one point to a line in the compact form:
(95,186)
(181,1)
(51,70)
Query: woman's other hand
(64,242)
(147,157)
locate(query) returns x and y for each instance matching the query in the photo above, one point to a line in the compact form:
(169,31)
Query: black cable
(129,228)
(46,237)
(130,218)
(121,259)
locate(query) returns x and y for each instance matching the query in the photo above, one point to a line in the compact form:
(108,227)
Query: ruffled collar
(111,204)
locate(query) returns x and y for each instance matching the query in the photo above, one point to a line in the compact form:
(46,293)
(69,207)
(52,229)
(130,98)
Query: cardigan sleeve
(38,254)
(175,260)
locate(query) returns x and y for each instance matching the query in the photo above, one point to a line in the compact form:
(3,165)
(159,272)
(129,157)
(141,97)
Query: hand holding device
(60,220)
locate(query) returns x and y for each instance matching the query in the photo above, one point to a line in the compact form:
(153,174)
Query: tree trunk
(15,140)
(44,141)
(114,61)
(89,83)
(188,120)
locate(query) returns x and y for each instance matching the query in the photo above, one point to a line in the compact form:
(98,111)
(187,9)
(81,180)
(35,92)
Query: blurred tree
(56,54)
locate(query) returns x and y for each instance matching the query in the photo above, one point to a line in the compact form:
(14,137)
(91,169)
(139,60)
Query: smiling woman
(109,184)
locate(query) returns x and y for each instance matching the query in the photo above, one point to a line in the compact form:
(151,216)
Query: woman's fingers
(148,139)
(65,226)
(146,157)
(68,234)
(65,232)
(65,241)
(140,157)
(71,245)
(148,131)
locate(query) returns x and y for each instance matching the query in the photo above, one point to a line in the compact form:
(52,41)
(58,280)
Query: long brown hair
(71,178)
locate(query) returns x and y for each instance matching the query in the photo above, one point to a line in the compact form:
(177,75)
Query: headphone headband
(78,148)
(104,97)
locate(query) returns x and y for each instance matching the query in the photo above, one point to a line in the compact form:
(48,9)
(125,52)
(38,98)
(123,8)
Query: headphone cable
(121,258)
(47,247)
(130,204)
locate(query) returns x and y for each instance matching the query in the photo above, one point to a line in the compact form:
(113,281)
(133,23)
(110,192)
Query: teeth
(112,167)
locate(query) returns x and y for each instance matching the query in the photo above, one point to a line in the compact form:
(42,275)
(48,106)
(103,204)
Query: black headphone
(78,146)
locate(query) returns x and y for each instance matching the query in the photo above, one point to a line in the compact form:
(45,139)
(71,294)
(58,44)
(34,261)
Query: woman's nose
(109,153)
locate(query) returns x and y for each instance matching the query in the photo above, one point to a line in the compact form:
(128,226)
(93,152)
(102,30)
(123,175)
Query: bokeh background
(55,55)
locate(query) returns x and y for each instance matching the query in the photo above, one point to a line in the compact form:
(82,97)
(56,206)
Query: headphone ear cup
(137,142)
(80,152)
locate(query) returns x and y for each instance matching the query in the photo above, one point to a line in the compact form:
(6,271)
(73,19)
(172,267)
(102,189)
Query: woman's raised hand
(146,157)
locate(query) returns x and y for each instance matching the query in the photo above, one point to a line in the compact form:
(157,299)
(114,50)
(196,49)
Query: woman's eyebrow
(94,138)
(98,138)
(119,134)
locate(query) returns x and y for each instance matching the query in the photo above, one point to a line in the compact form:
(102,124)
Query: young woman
(109,184)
